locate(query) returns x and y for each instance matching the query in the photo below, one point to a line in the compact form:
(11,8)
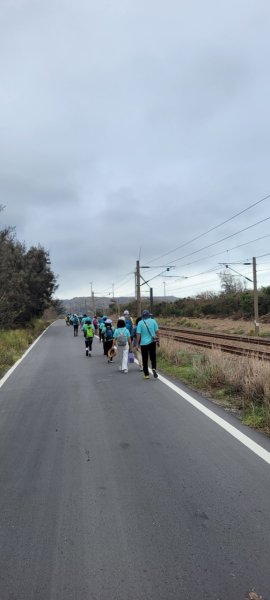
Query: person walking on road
(123,342)
(88,332)
(136,350)
(148,339)
(108,338)
(75,322)
(129,322)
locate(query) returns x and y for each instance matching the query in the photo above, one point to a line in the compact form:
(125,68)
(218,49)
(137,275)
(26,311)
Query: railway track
(233,344)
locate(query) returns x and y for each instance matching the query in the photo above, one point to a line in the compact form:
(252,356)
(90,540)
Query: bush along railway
(233,344)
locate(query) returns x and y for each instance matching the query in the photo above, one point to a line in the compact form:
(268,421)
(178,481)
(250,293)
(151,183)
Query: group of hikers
(128,340)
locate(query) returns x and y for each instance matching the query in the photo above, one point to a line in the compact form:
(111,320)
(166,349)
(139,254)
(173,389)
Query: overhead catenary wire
(211,229)
(222,240)
(124,282)
(223,251)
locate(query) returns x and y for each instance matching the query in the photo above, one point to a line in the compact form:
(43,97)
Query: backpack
(122,339)
(89,331)
(129,325)
(75,321)
(108,334)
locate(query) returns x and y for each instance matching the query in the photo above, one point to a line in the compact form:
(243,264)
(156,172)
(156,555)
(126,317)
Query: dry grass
(236,327)
(242,382)
(13,343)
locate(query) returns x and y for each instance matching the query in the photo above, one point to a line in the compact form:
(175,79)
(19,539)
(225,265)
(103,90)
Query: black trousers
(151,350)
(88,343)
(107,344)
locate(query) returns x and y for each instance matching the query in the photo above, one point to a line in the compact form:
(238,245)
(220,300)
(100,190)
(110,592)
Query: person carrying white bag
(123,343)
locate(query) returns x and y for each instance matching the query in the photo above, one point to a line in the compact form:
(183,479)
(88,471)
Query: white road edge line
(10,371)
(241,437)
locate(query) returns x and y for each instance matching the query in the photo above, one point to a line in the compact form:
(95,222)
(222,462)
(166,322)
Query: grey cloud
(131,127)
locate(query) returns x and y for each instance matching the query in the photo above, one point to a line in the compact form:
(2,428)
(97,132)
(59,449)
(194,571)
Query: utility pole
(151,301)
(255,296)
(138,288)
(93,299)
(164,284)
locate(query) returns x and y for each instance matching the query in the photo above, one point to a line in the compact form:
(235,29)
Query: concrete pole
(151,301)
(255,296)
(138,289)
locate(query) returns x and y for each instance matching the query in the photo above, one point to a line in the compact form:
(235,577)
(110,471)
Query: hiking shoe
(155,373)
(141,368)
(146,376)
(125,371)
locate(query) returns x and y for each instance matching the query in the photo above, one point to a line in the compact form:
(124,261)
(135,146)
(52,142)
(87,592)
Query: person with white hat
(129,322)
(108,339)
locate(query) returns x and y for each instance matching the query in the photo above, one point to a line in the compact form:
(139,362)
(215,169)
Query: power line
(191,285)
(212,229)
(263,255)
(222,240)
(222,251)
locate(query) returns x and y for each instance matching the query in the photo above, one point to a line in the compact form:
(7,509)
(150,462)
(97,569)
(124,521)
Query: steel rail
(222,336)
(229,348)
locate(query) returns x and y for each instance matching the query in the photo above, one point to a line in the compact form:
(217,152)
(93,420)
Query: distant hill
(85,304)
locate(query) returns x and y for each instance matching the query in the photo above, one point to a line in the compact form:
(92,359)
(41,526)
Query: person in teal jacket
(123,342)
(147,339)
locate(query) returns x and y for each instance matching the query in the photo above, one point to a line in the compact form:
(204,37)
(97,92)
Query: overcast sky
(130,127)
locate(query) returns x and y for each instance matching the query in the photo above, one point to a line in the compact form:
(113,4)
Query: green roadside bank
(14,342)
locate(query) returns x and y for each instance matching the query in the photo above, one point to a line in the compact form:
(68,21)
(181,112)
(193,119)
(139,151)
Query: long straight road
(117,488)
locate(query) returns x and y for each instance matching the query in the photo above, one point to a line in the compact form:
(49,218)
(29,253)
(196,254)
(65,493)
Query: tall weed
(244,380)
(13,343)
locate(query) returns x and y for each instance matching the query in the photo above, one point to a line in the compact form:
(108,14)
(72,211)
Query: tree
(231,284)
(40,283)
(27,282)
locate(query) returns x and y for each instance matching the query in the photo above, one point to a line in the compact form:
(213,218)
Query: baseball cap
(126,312)
(146,314)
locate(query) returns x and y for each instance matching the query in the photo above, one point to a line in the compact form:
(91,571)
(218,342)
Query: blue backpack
(108,334)
(129,325)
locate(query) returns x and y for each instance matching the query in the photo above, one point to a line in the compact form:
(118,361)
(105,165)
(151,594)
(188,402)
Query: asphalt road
(115,488)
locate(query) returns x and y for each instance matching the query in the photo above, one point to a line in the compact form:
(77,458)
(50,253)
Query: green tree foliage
(26,281)
(231,304)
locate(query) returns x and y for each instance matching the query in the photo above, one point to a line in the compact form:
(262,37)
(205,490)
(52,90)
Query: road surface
(116,488)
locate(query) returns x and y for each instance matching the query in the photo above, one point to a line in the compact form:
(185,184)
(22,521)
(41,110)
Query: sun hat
(108,322)
(126,312)
(112,352)
(145,314)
